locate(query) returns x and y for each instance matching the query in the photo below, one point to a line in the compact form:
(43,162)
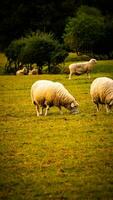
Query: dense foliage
(21,17)
(85,32)
(39,48)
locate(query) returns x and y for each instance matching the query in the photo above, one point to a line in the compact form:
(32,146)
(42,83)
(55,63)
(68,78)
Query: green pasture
(57,157)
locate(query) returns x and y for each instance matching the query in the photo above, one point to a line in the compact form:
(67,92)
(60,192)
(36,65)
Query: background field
(57,157)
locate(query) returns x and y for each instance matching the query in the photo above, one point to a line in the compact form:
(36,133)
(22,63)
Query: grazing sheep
(102,92)
(22,71)
(46,94)
(33,71)
(81,68)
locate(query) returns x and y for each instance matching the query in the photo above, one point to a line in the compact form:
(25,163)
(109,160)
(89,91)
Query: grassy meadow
(57,157)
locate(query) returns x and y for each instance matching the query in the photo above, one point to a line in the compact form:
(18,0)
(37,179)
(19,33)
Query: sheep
(33,71)
(22,71)
(45,94)
(101,92)
(82,68)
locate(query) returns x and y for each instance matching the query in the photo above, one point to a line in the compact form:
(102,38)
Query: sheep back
(81,68)
(33,72)
(53,93)
(22,71)
(101,90)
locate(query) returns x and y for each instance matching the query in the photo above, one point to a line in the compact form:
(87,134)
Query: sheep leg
(97,107)
(70,75)
(47,108)
(37,110)
(41,111)
(60,110)
(107,108)
(88,74)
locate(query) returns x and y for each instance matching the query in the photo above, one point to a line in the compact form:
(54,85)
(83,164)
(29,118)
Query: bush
(73,57)
(13,54)
(39,48)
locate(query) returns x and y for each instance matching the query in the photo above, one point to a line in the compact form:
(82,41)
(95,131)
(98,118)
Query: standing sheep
(46,94)
(22,71)
(33,71)
(102,92)
(81,68)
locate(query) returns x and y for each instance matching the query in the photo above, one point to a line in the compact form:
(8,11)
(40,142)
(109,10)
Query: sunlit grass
(57,156)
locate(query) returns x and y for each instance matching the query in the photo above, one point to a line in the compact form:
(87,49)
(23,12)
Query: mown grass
(58,156)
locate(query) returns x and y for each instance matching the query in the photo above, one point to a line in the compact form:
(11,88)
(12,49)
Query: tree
(40,48)
(18,18)
(43,49)
(21,17)
(13,54)
(84,32)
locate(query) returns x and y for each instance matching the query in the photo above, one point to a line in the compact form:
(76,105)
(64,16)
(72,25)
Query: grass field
(57,157)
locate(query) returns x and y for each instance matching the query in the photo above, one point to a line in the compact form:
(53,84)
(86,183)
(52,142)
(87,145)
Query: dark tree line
(21,17)
(89,32)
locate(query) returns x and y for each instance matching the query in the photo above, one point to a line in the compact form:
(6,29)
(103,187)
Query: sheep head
(94,61)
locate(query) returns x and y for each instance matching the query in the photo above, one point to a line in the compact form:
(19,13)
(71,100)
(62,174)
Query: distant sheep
(102,92)
(46,94)
(33,71)
(22,71)
(81,68)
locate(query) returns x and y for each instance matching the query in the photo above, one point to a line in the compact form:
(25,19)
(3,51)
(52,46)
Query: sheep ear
(111,103)
(72,105)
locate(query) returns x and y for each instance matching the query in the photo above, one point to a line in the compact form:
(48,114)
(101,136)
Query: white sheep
(82,68)
(101,91)
(45,94)
(33,71)
(22,71)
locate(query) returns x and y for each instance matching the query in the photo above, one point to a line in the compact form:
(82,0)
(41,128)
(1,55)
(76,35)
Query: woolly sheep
(45,94)
(81,68)
(33,71)
(101,91)
(22,71)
